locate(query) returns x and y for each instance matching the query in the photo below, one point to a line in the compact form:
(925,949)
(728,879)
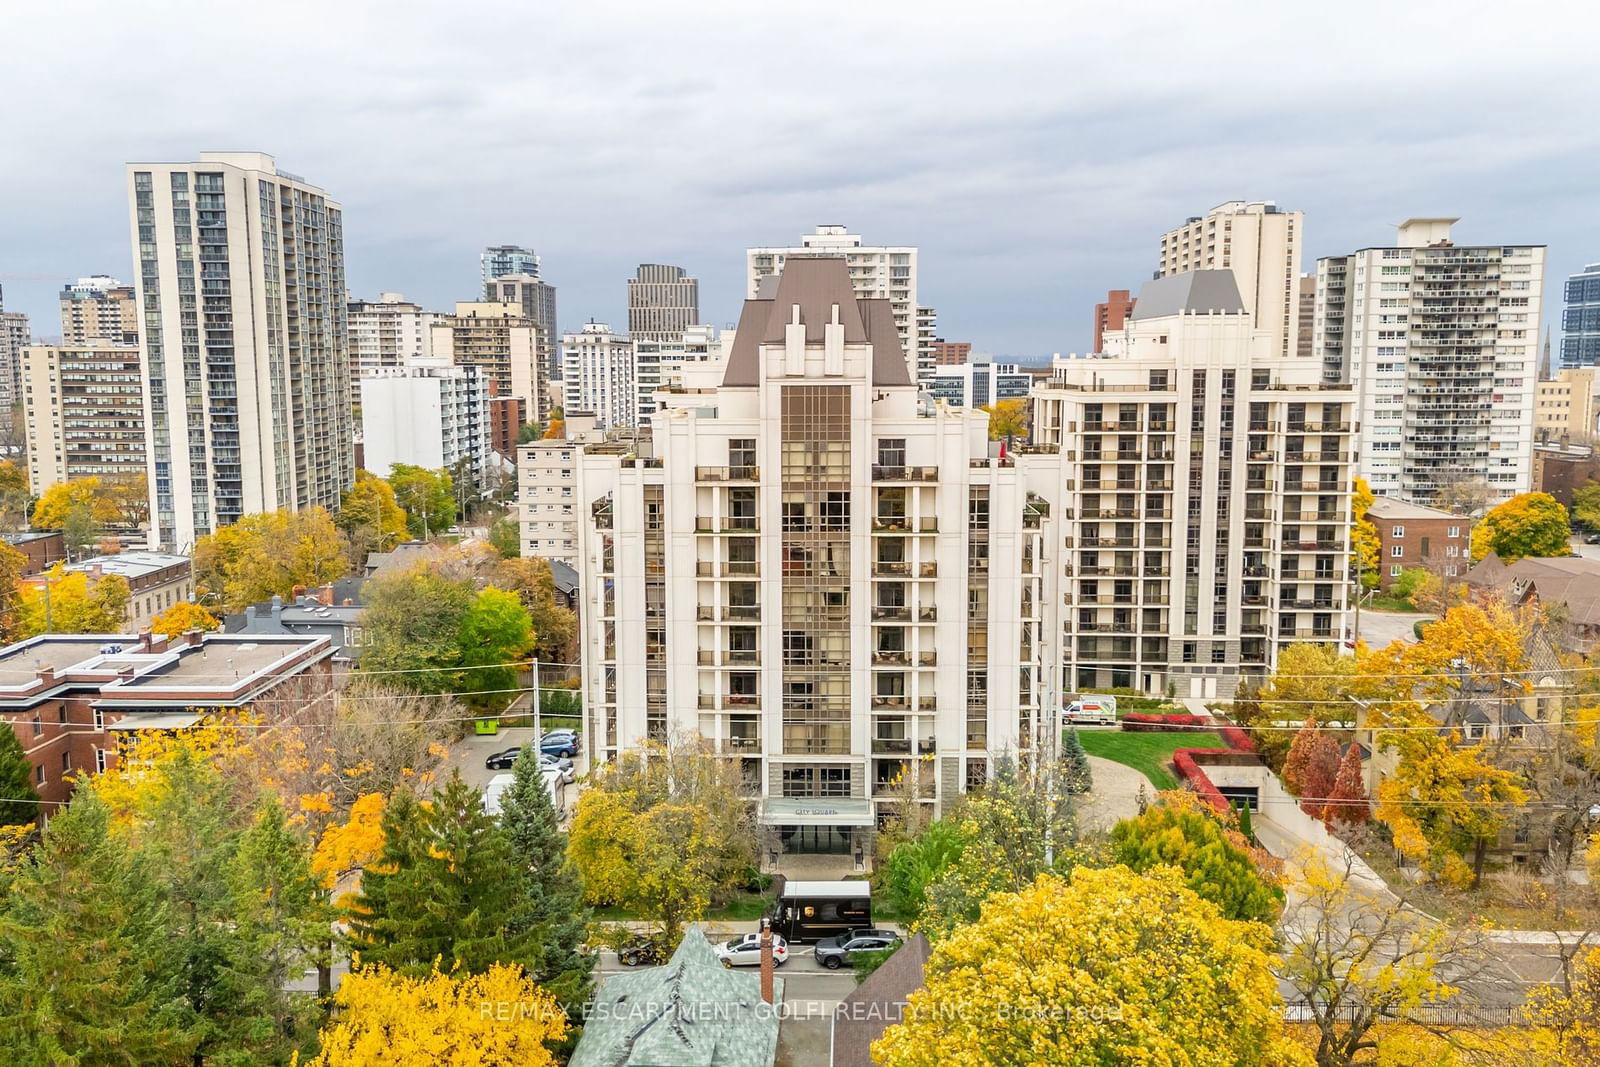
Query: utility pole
(537,732)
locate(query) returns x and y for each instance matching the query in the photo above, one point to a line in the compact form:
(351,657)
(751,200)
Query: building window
(66,762)
(38,774)
(38,726)
(100,760)
(1394,570)
(1397,531)
(1397,551)
(1454,531)
(99,719)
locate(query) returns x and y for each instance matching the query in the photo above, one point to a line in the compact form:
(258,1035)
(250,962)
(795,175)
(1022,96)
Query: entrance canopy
(817,811)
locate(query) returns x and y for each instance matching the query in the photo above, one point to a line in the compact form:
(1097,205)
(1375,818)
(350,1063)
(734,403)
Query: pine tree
(447,886)
(281,918)
(19,803)
(1077,775)
(1246,826)
(85,978)
(556,912)
(1347,803)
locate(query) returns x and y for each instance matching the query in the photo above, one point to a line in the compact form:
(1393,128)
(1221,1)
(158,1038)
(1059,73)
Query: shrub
(1138,722)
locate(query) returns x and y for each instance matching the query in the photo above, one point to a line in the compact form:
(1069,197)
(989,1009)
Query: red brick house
(1414,535)
(70,697)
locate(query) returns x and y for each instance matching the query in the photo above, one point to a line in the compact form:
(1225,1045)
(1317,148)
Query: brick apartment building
(1414,535)
(1562,468)
(507,414)
(1111,315)
(71,697)
(42,549)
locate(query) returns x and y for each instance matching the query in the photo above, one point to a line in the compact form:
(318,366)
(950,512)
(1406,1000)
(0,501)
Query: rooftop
(1195,291)
(1388,507)
(135,564)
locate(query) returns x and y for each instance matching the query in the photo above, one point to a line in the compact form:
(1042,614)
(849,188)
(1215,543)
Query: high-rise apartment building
(663,302)
(1305,333)
(1208,496)
(243,341)
(1440,342)
(428,417)
(877,272)
(547,490)
(1260,243)
(503,343)
(497,261)
(1110,315)
(15,335)
(950,353)
(832,587)
(387,334)
(658,363)
(598,376)
(1580,319)
(83,408)
(537,299)
(979,382)
(99,308)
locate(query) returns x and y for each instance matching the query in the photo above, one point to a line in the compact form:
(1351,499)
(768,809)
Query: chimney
(145,638)
(277,605)
(191,637)
(325,594)
(766,960)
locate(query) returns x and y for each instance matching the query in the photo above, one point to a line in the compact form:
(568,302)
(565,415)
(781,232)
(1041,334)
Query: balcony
(891,569)
(928,614)
(726,524)
(727,474)
(928,570)
(741,745)
(927,659)
(742,655)
(927,703)
(890,612)
(890,657)
(891,746)
(887,473)
(897,701)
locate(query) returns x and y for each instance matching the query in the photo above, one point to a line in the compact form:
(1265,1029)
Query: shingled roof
(878,1003)
(691,1012)
(814,284)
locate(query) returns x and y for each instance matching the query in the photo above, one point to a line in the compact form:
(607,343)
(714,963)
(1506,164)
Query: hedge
(1189,769)
(1139,722)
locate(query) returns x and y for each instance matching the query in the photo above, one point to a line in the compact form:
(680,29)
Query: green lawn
(1148,753)
(1385,602)
(741,907)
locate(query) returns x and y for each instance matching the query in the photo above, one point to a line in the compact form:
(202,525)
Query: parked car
(641,952)
(745,951)
(502,761)
(835,952)
(562,742)
(557,763)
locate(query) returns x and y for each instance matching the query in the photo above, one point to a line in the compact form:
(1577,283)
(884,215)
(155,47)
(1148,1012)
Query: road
(809,989)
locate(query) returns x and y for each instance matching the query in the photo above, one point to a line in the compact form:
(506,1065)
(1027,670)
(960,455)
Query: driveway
(1380,629)
(1115,795)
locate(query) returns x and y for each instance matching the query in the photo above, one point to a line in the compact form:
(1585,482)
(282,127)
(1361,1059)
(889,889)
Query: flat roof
(1388,507)
(135,564)
(21,663)
(221,660)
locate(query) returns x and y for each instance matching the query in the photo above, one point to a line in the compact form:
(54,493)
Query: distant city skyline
(1069,170)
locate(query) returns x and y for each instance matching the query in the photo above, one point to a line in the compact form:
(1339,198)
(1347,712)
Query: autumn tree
(663,832)
(554,624)
(1532,524)
(182,617)
(1215,859)
(1311,767)
(13,494)
(1019,827)
(556,912)
(74,602)
(1347,805)
(1357,955)
(12,564)
(79,509)
(1007,418)
(267,554)
(447,886)
(428,498)
(1313,683)
(499,1018)
(370,516)
(505,534)
(19,803)
(1364,543)
(129,495)
(1109,967)
(1586,506)
(494,636)
(86,965)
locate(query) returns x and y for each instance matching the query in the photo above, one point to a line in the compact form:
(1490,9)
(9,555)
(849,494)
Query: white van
(1091,708)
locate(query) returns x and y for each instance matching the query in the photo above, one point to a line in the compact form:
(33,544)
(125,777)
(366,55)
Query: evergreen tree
(281,919)
(185,824)
(84,976)
(556,912)
(19,803)
(1246,827)
(1076,775)
(448,886)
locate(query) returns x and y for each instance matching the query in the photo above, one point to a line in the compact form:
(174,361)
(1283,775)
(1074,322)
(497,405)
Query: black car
(835,952)
(503,761)
(640,952)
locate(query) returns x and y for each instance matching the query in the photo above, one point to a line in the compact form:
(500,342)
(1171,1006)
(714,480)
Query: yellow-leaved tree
(1363,534)
(73,602)
(1111,967)
(57,504)
(494,1019)
(1008,418)
(1532,524)
(269,553)
(182,617)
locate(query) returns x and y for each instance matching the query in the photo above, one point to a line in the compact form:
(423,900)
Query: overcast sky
(1034,153)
